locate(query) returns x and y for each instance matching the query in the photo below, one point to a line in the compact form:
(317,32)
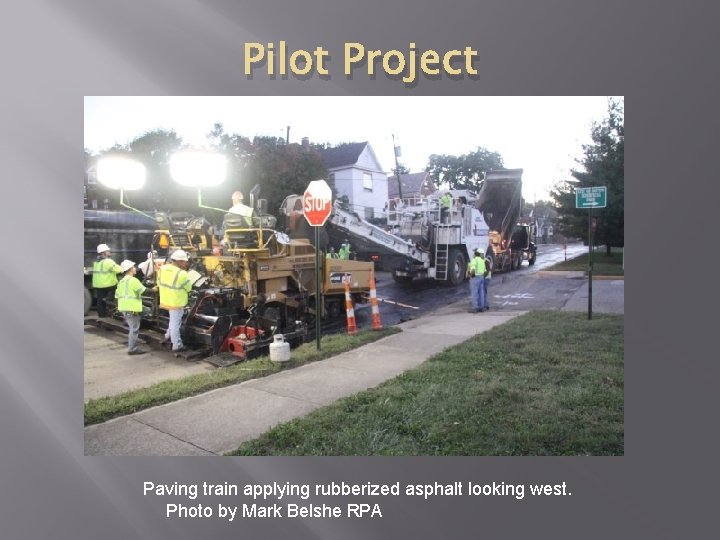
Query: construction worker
(240,208)
(331,253)
(129,302)
(476,272)
(344,251)
(104,278)
(446,202)
(174,285)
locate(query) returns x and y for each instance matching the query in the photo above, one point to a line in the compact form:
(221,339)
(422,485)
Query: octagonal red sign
(317,203)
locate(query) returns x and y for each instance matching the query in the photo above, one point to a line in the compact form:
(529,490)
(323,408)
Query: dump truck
(500,201)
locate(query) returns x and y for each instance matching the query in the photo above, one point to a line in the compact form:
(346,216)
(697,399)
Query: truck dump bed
(500,199)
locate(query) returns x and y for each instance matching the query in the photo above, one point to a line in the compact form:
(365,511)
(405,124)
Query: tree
(283,169)
(603,164)
(465,171)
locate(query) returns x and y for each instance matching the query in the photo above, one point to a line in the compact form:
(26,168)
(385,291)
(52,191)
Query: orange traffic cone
(376,324)
(351,326)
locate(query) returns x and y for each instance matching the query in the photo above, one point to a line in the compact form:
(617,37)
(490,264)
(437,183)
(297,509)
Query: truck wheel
(457,266)
(88,300)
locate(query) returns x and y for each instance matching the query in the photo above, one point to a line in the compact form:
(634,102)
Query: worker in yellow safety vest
(445,204)
(476,272)
(129,302)
(331,253)
(344,251)
(241,209)
(104,278)
(174,284)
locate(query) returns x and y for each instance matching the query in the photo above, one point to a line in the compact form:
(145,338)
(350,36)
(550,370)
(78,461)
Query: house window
(369,214)
(367,181)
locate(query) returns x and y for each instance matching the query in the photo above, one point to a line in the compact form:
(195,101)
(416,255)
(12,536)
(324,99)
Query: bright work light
(198,168)
(120,173)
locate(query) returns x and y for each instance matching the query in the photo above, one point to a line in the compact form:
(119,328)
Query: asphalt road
(526,288)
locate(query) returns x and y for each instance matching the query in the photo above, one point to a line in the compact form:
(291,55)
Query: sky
(541,135)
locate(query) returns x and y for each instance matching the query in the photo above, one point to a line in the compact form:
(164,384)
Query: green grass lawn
(105,408)
(546,383)
(603,265)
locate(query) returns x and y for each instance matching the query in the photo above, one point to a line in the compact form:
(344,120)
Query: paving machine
(249,284)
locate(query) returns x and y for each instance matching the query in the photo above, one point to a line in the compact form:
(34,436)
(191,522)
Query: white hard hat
(179,255)
(126,265)
(102,248)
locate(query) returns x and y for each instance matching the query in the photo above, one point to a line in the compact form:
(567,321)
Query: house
(414,186)
(355,173)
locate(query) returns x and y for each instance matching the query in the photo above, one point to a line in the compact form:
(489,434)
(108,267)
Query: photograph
(330,277)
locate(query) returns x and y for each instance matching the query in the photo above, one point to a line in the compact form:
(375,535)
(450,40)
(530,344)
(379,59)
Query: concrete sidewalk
(218,421)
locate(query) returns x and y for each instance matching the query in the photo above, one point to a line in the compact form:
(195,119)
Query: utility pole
(396,151)
(287,137)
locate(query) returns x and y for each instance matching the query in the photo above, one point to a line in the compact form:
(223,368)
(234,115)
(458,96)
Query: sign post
(591,197)
(317,205)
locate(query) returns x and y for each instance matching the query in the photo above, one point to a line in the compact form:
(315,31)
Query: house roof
(412,184)
(343,155)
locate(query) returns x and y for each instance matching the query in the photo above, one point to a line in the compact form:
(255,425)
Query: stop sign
(317,203)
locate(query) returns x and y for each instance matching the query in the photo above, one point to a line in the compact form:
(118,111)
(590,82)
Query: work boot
(136,351)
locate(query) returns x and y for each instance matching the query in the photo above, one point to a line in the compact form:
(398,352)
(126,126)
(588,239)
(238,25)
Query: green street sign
(591,197)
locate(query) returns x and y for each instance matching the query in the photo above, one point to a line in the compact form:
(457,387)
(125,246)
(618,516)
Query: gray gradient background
(661,55)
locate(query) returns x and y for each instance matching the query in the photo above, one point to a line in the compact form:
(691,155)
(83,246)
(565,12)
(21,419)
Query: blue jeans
(477,292)
(133,321)
(173,331)
(486,282)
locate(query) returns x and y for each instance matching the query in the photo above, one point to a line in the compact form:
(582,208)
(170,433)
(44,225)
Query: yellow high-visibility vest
(174,285)
(477,264)
(105,273)
(128,294)
(242,210)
